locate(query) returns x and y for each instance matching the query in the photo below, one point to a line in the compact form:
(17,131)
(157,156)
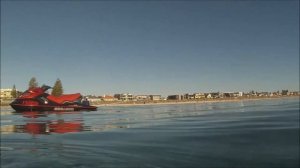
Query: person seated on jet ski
(45,87)
(85,102)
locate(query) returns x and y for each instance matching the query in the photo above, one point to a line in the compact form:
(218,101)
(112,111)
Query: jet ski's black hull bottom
(22,107)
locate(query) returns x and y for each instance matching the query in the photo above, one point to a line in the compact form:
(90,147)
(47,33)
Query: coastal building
(252,93)
(213,95)
(126,97)
(275,93)
(117,96)
(188,96)
(246,94)
(294,93)
(228,94)
(142,97)
(108,98)
(209,96)
(237,94)
(284,92)
(199,95)
(155,97)
(174,97)
(191,96)
(92,98)
(231,94)
(264,94)
(6,94)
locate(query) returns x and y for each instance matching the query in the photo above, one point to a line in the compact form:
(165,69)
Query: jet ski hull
(22,107)
(36,99)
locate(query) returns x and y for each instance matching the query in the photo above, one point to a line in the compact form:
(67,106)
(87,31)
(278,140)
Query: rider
(85,102)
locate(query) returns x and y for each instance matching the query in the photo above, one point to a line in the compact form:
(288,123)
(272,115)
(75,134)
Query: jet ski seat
(67,98)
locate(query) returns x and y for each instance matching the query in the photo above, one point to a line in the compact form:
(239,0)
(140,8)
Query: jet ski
(36,99)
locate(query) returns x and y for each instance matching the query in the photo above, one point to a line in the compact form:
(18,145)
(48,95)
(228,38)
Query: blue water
(263,133)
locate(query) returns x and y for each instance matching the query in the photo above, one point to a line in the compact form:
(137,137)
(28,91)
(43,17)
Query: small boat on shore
(36,99)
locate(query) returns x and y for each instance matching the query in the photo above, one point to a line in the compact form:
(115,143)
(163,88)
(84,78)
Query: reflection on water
(46,123)
(34,125)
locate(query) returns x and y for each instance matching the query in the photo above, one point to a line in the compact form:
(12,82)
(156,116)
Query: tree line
(57,89)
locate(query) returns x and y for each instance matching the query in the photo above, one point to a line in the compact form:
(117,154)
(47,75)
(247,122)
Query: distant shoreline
(174,102)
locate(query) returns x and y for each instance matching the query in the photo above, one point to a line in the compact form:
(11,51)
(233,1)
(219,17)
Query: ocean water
(262,133)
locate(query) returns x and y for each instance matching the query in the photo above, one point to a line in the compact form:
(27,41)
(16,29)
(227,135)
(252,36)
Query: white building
(142,97)
(126,97)
(155,97)
(6,94)
(199,95)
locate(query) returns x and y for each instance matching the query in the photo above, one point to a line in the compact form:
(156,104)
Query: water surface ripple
(263,133)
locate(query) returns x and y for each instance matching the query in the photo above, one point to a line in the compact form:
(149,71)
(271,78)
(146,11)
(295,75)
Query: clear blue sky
(100,47)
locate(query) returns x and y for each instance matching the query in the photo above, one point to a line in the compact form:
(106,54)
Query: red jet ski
(36,99)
